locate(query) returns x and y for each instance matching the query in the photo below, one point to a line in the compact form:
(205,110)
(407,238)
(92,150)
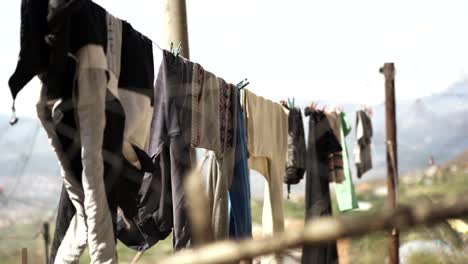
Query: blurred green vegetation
(371,248)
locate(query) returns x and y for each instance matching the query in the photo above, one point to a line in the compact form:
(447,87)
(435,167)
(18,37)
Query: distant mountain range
(436,126)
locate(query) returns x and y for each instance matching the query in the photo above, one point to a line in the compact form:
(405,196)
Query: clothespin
(313,106)
(13,119)
(243,84)
(291,102)
(179,48)
(369,111)
(176,51)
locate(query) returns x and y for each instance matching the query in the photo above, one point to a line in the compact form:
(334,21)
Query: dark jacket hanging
(321,143)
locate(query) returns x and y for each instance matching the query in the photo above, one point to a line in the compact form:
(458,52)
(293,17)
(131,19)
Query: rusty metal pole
(392,161)
(175,25)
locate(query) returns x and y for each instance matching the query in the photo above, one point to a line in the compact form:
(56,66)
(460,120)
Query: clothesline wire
(20,172)
(154,42)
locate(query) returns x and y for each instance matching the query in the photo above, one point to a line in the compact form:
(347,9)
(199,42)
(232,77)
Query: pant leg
(240,223)
(180,166)
(90,96)
(217,191)
(74,244)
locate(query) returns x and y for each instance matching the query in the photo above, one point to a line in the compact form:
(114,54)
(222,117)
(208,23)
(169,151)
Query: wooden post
(24,256)
(392,161)
(175,25)
(45,235)
(175,31)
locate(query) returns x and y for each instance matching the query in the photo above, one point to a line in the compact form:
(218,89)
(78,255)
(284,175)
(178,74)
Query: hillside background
(436,126)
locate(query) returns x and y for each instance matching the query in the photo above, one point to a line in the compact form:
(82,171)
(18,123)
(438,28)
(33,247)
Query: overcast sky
(312,50)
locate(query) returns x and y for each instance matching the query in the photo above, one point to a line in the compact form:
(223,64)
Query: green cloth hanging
(345,193)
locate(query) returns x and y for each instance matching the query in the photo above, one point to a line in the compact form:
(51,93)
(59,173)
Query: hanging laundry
(34,55)
(345,193)
(240,216)
(218,198)
(295,163)
(98,127)
(92,223)
(267,132)
(170,142)
(320,144)
(362,149)
(194,108)
(214,119)
(335,159)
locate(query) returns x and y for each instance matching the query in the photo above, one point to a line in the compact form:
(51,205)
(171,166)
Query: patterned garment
(335,160)
(362,149)
(214,119)
(225,117)
(335,165)
(213,97)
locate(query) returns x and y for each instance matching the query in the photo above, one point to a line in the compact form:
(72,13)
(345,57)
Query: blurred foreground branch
(325,229)
(198,210)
